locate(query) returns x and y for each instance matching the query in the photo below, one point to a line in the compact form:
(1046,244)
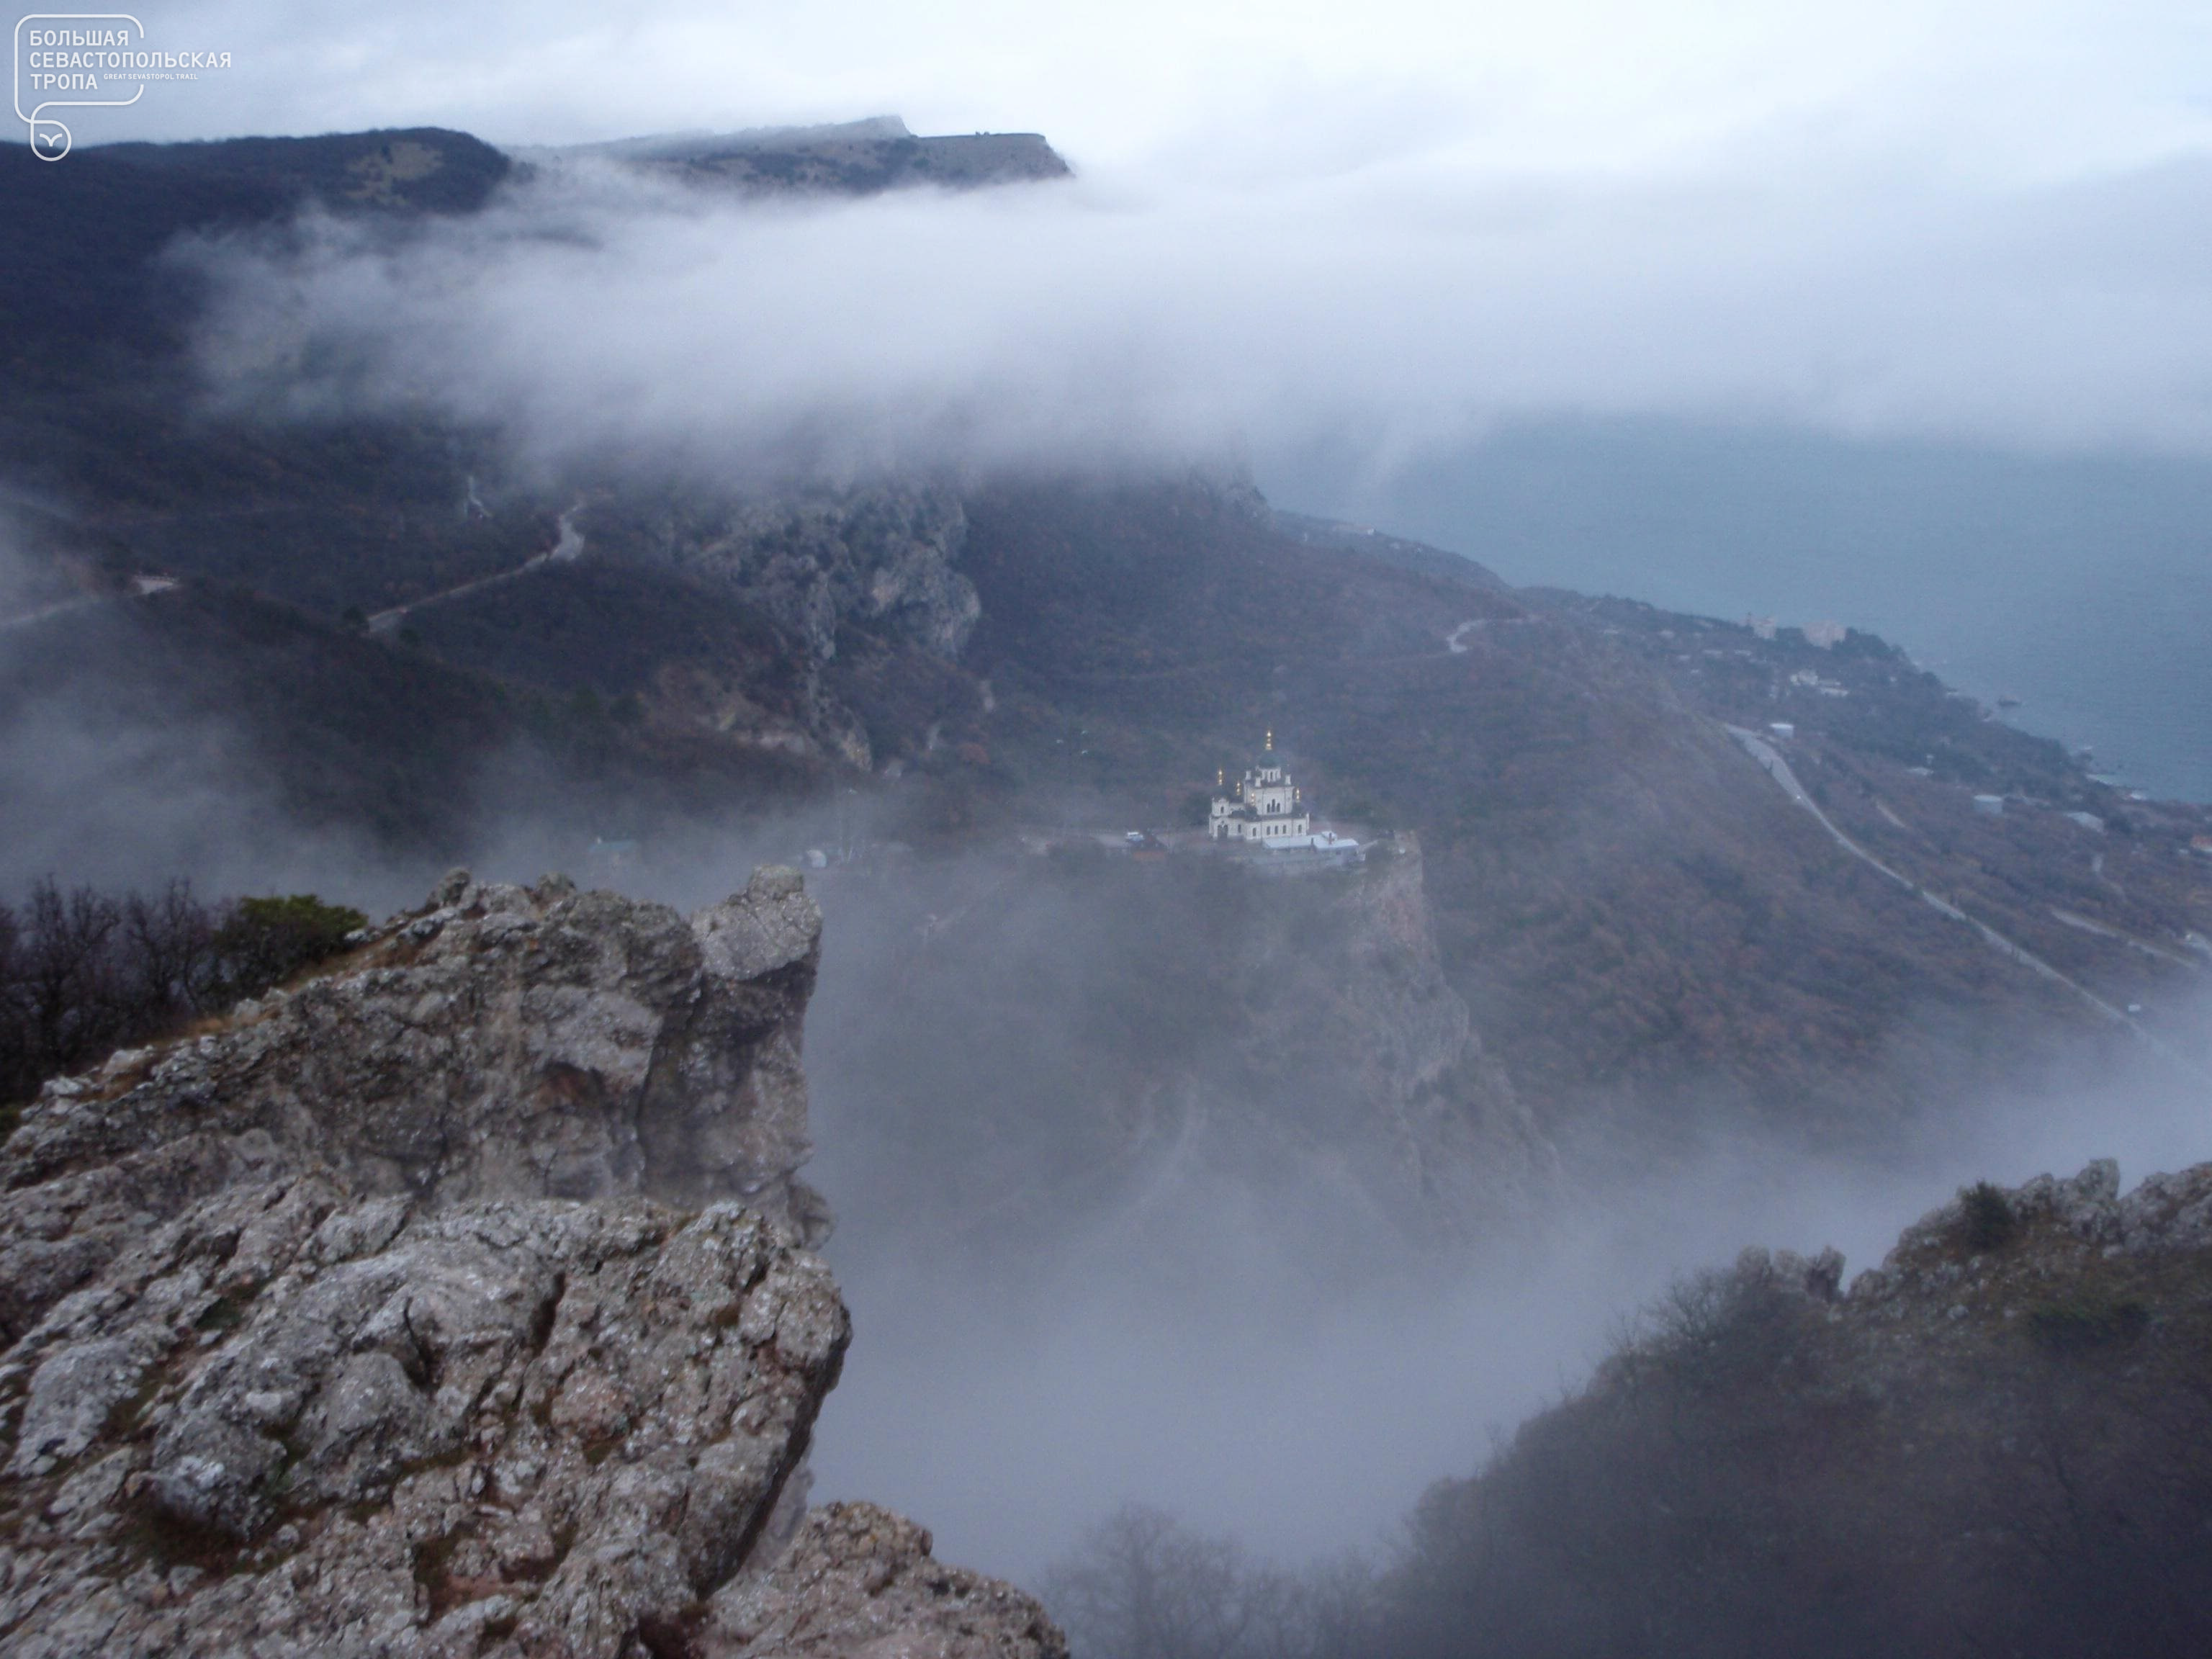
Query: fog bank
(1126,319)
(1204,1352)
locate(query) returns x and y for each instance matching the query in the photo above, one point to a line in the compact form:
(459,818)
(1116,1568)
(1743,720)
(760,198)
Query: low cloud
(1122,320)
(1210,1353)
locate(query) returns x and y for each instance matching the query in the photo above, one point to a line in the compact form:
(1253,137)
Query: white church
(1266,806)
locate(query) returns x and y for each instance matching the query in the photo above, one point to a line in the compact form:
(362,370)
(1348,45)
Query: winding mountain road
(1770,759)
(142,586)
(568,548)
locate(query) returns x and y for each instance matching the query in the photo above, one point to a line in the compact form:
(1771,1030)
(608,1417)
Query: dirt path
(29,617)
(141,587)
(2118,936)
(567,549)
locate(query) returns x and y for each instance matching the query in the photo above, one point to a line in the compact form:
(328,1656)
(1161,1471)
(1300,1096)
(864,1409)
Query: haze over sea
(2079,584)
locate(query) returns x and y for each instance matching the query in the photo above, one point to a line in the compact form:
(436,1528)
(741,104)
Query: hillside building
(1265,806)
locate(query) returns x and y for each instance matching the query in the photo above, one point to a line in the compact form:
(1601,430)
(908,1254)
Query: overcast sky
(1998,88)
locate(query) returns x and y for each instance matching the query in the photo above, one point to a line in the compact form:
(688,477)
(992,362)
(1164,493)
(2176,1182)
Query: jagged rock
(1461,1136)
(2087,1206)
(503,1042)
(858,1583)
(882,557)
(1819,1277)
(542,1426)
(1366,1047)
(354,1327)
(2165,1212)
(2169,1211)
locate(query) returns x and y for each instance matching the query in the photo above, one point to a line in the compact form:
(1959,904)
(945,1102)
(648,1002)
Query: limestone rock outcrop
(1357,1042)
(457,1301)
(885,555)
(1465,1144)
(858,1583)
(2168,1213)
(882,558)
(284,1423)
(501,1042)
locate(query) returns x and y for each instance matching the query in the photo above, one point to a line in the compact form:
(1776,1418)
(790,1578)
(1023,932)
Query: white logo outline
(37,118)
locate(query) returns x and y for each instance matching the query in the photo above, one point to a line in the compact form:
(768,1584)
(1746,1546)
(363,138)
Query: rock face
(1214,1028)
(857,1582)
(850,158)
(883,556)
(1356,1043)
(1463,1142)
(286,1422)
(505,1043)
(2166,1214)
(882,559)
(366,1324)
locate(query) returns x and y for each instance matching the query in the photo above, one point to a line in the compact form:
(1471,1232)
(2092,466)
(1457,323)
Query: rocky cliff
(1035,1046)
(456,1301)
(1351,1068)
(1464,1150)
(857,573)
(883,556)
(848,158)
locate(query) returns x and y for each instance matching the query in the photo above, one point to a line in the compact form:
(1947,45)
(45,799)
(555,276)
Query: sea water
(2081,585)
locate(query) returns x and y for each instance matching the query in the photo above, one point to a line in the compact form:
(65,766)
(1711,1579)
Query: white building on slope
(1266,806)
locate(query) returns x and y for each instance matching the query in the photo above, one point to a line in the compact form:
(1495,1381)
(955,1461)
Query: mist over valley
(1354,980)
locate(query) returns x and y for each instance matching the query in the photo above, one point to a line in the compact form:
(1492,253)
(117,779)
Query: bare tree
(82,974)
(171,940)
(68,975)
(1143,1586)
(18,1072)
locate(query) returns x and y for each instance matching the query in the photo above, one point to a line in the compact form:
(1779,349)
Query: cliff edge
(457,1301)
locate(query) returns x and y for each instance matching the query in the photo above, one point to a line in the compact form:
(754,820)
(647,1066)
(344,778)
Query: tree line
(83,973)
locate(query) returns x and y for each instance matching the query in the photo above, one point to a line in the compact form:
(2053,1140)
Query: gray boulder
(502,1427)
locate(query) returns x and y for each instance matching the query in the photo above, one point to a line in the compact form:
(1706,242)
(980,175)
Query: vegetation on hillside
(84,973)
(1142,1585)
(2005,1448)
(363,736)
